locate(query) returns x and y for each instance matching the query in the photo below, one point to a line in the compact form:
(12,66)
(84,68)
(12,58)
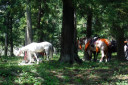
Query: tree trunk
(29,25)
(88,30)
(67,36)
(89,24)
(120,43)
(6,34)
(11,37)
(25,37)
(38,22)
(40,14)
(28,29)
(6,44)
(76,57)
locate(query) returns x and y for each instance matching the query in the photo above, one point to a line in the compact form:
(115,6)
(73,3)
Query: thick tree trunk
(41,11)
(120,43)
(88,30)
(76,57)
(40,14)
(89,24)
(38,23)
(67,36)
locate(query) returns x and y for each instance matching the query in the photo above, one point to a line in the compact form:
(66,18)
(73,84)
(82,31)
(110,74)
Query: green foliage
(105,14)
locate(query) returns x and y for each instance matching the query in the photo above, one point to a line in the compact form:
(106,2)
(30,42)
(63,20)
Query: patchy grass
(55,73)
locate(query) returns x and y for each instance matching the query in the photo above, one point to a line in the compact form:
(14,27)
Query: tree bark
(6,34)
(41,11)
(11,37)
(6,44)
(29,28)
(29,25)
(40,14)
(68,51)
(120,43)
(89,24)
(38,22)
(76,57)
(88,30)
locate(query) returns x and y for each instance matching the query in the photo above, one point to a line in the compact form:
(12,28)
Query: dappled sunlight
(63,42)
(80,54)
(121,77)
(54,72)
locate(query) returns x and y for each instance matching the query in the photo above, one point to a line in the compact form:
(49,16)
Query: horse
(114,48)
(89,49)
(95,45)
(81,42)
(34,48)
(103,45)
(126,49)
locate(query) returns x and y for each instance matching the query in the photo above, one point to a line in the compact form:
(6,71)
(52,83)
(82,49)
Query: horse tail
(54,50)
(51,50)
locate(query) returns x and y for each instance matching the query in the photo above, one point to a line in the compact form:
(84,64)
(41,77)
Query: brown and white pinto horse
(88,48)
(103,45)
(96,45)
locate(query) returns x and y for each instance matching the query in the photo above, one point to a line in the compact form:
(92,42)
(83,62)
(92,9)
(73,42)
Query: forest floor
(55,73)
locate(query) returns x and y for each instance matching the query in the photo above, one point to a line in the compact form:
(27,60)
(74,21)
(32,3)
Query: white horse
(34,48)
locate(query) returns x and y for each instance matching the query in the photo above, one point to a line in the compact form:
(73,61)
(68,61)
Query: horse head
(113,46)
(15,51)
(81,42)
(93,41)
(18,52)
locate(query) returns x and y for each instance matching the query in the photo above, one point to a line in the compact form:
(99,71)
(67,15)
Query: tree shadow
(53,73)
(89,73)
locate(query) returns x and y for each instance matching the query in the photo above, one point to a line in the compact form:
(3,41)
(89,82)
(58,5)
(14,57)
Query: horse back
(106,41)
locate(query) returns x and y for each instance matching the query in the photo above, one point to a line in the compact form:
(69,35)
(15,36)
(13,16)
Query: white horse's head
(18,52)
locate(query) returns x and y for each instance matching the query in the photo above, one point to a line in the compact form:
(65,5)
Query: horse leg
(86,56)
(95,56)
(25,56)
(36,58)
(90,55)
(30,57)
(102,55)
(51,53)
(47,53)
(107,56)
(126,54)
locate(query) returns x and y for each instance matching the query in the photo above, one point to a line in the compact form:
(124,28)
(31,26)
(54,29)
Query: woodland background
(62,22)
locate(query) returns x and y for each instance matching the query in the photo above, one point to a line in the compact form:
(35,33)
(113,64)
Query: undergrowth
(55,73)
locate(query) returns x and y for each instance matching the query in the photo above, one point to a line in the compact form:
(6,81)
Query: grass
(55,73)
